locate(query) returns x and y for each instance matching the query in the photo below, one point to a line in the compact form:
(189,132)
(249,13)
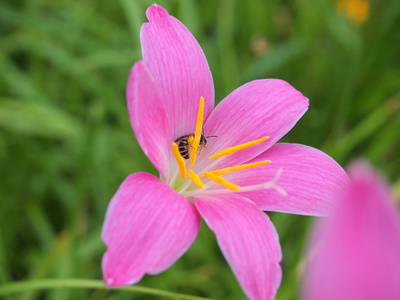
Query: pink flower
(152,221)
(355,254)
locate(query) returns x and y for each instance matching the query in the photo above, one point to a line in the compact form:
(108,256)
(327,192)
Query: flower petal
(248,241)
(355,252)
(148,117)
(180,68)
(148,227)
(310,178)
(257,109)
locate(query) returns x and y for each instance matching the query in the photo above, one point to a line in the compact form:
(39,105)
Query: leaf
(38,119)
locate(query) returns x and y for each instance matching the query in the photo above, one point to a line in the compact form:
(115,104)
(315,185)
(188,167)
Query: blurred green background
(66,142)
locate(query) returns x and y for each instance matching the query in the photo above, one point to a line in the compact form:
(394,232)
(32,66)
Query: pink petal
(358,251)
(248,241)
(180,68)
(310,178)
(148,227)
(148,117)
(257,109)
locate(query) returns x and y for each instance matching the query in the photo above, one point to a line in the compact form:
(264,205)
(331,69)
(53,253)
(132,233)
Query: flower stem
(48,284)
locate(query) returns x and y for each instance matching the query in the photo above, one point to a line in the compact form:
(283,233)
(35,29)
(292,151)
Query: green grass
(66,142)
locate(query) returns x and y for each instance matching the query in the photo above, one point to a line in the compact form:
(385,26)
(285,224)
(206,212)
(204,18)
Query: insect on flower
(151,221)
(185,144)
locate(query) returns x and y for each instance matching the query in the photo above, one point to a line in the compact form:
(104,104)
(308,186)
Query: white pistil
(172,180)
(182,190)
(262,186)
(197,191)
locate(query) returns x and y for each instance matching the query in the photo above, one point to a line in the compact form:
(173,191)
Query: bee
(185,143)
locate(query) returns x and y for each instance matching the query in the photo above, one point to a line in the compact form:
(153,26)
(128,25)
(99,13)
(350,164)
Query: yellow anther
(197,133)
(196,179)
(224,171)
(179,160)
(237,148)
(221,181)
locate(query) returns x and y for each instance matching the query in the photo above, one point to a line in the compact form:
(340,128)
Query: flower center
(190,146)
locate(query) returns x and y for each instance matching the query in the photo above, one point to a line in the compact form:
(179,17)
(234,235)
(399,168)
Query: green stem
(48,284)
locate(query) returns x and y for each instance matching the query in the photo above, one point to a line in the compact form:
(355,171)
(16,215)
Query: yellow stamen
(224,171)
(221,181)
(179,160)
(190,145)
(197,134)
(196,179)
(237,148)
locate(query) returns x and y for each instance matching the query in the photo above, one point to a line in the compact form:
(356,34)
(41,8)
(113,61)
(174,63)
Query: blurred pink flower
(355,254)
(152,221)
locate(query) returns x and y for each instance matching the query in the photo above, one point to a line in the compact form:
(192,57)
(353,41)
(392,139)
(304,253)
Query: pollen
(237,148)
(197,134)
(224,171)
(179,159)
(221,181)
(196,179)
(190,140)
